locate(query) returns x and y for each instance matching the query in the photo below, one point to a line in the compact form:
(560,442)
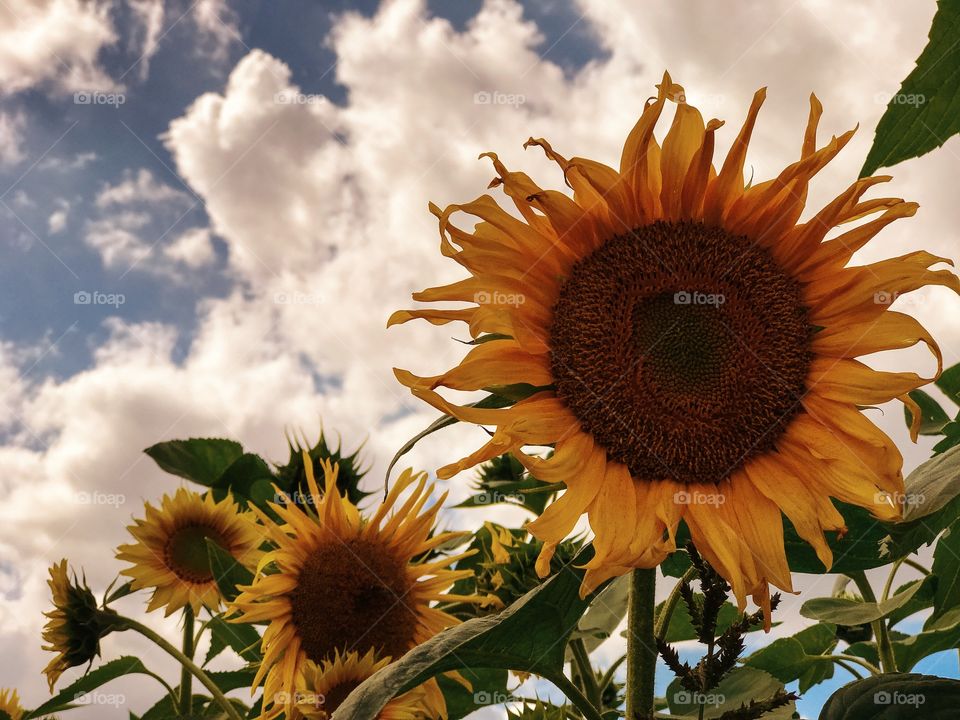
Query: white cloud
(139,187)
(11,138)
(194,248)
(56,42)
(58,218)
(323,211)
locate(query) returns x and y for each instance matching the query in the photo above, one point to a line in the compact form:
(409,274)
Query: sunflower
(10,708)
(75,625)
(170,552)
(341,582)
(327,684)
(690,346)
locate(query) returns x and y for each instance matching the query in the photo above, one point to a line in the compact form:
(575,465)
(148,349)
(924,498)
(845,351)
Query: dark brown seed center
(682,349)
(352,596)
(186,552)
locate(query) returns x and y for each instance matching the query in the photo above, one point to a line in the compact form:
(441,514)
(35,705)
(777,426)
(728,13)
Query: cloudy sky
(210,208)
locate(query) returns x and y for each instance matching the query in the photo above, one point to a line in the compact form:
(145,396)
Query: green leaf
(932,416)
(796,657)
(242,638)
(228,573)
(934,496)
(603,615)
(249,477)
(126,665)
(949,382)
(946,566)
(529,636)
(926,110)
(201,460)
(921,600)
(951,438)
(742,685)
(911,649)
(894,696)
(846,611)
(488,687)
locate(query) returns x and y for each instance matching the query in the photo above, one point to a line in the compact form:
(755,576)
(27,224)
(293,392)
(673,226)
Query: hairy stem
(641,644)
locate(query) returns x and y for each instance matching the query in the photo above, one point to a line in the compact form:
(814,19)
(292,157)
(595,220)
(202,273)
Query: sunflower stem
(186,679)
(574,695)
(670,604)
(641,644)
(588,677)
(217,694)
(888,661)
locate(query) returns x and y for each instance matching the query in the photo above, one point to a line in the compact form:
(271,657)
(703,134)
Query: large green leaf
(925,113)
(249,477)
(201,460)
(797,657)
(935,504)
(949,382)
(895,696)
(243,639)
(911,649)
(846,611)
(604,614)
(921,600)
(488,686)
(529,636)
(946,566)
(75,691)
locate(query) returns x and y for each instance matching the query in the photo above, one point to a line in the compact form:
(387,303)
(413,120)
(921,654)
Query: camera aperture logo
(85,297)
(686,297)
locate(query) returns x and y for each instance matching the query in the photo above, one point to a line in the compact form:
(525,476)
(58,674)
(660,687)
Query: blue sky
(260,245)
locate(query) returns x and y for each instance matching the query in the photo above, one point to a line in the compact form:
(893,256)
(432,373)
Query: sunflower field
(662,364)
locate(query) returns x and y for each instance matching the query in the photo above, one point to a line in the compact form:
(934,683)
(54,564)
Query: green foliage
(202,460)
(926,110)
(849,611)
(894,696)
(798,657)
(68,696)
(228,573)
(504,480)
(292,477)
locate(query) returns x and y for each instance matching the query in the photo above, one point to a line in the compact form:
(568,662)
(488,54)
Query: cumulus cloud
(322,208)
(11,138)
(56,42)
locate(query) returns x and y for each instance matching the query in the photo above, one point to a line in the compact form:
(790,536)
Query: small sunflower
(170,554)
(10,708)
(345,583)
(692,346)
(75,625)
(327,684)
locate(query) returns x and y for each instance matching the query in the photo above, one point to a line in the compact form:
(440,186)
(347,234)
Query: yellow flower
(170,552)
(693,346)
(327,684)
(341,582)
(10,708)
(75,625)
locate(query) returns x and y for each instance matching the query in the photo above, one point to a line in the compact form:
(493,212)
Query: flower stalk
(641,644)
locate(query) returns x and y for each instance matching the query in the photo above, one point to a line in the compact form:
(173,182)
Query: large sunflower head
(337,581)
(170,552)
(10,708)
(75,625)
(327,684)
(692,343)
